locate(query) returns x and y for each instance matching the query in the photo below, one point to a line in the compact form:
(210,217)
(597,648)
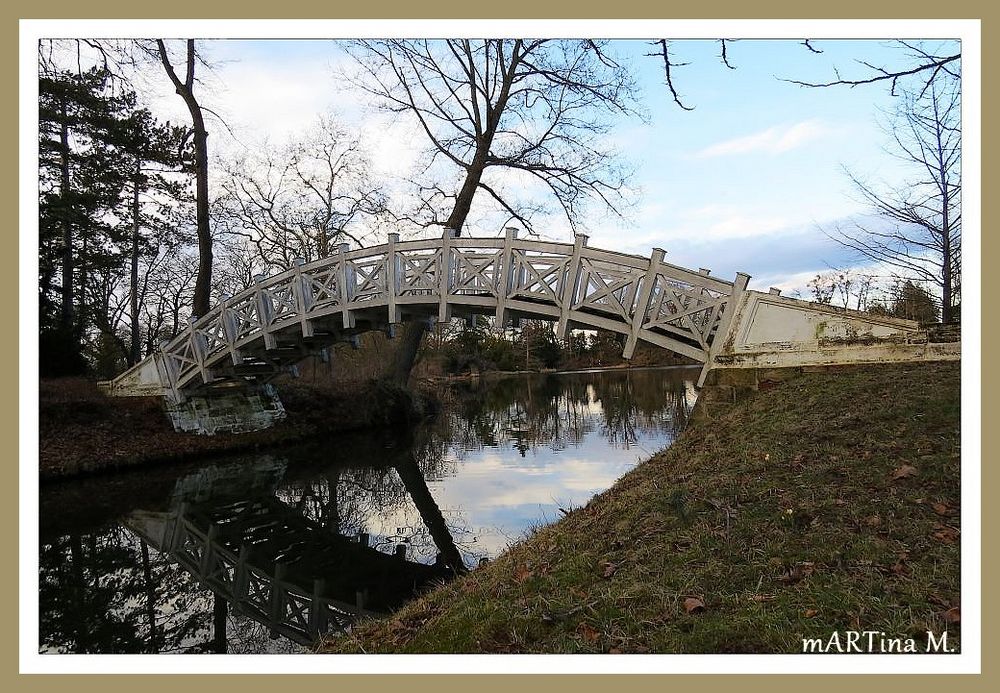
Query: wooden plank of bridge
(346,285)
(303,297)
(231,330)
(571,277)
(505,274)
(445,276)
(642,303)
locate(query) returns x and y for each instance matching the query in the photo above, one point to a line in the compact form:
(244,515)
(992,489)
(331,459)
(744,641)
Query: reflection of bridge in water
(268,561)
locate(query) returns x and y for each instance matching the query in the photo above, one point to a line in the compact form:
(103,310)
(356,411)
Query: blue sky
(744,182)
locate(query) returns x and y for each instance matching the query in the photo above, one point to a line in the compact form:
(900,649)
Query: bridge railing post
(568,290)
(317,611)
(505,274)
(265,311)
(277,606)
(392,278)
(445,276)
(726,320)
(167,371)
(231,330)
(303,297)
(346,286)
(199,349)
(642,301)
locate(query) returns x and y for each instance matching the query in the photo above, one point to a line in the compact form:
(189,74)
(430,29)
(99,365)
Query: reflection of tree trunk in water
(147,574)
(331,513)
(77,608)
(219,612)
(409,339)
(429,511)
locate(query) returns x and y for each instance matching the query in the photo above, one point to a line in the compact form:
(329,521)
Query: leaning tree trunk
(405,355)
(412,333)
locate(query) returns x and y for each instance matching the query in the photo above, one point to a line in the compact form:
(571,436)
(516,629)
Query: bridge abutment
(239,410)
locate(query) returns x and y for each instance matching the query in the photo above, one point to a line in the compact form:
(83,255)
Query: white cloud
(773,140)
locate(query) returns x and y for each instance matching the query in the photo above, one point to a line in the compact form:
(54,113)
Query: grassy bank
(827,502)
(83,431)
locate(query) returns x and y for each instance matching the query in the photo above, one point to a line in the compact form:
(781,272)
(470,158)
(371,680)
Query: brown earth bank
(823,504)
(83,431)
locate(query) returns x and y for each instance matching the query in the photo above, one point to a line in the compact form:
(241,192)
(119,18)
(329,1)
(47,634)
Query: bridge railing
(570,283)
(265,595)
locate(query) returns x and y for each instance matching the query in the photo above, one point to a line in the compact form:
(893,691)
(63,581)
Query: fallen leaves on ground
(904,472)
(693,605)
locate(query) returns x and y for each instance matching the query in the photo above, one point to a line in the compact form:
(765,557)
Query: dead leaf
(693,605)
(588,632)
(608,568)
(797,572)
(942,508)
(945,534)
(904,472)
(873,520)
(953,615)
(809,613)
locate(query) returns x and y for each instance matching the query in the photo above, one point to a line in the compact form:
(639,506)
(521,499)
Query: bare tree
(537,108)
(533,106)
(301,202)
(185,89)
(922,237)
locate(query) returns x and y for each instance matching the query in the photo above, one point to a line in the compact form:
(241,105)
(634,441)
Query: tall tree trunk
(185,89)
(203,284)
(135,348)
(66,314)
(946,278)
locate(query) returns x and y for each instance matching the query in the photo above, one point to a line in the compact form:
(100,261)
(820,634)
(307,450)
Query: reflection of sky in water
(492,495)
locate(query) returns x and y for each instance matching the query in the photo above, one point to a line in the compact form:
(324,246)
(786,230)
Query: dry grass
(829,502)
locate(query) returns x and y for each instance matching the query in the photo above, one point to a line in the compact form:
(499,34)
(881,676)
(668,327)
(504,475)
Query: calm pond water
(259,553)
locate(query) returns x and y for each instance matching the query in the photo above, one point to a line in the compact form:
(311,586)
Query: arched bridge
(273,324)
(281,317)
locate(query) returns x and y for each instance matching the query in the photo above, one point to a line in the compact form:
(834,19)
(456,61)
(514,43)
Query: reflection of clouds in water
(525,448)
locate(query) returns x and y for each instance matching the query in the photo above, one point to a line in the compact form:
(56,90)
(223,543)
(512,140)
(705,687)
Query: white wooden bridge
(268,327)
